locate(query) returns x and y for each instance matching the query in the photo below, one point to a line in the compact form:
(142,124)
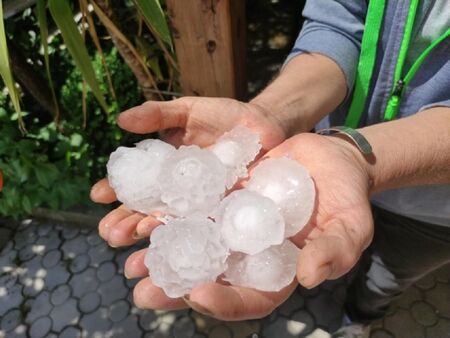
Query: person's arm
(410,151)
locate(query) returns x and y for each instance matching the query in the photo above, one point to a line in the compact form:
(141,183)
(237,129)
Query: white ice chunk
(270,270)
(236,149)
(185,253)
(250,222)
(192,179)
(133,172)
(290,186)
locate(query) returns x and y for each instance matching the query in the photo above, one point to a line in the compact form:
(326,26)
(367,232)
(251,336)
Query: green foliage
(55,168)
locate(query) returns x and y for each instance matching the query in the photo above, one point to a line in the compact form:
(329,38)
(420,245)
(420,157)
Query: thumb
(153,116)
(329,256)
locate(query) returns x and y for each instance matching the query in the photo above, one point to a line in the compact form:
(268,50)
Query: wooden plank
(12,7)
(209,38)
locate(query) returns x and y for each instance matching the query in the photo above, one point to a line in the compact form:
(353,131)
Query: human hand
(339,230)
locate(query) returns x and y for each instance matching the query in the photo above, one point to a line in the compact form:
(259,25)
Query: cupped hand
(339,230)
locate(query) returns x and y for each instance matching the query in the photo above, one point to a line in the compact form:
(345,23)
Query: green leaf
(63,16)
(26,204)
(42,21)
(5,69)
(154,16)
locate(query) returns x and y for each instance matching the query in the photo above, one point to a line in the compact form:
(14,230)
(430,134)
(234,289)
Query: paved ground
(61,281)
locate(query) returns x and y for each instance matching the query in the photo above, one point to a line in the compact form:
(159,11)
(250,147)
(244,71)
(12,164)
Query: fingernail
(136,235)
(197,307)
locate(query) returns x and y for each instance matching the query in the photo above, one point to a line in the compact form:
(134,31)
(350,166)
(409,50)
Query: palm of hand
(340,228)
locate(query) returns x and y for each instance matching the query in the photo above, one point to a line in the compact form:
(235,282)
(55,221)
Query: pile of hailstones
(240,238)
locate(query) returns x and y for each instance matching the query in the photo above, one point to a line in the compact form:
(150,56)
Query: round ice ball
(270,270)
(133,172)
(236,149)
(185,253)
(249,221)
(290,186)
(192,179)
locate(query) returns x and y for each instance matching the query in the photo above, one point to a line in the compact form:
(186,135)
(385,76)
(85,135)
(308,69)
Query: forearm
(410,151)
(308,88)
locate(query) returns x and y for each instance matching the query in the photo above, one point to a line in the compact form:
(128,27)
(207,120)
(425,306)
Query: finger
(173,136)
(134,265)
(145,227)
(111,219)
(329,256)
(146,295)
(122,233)
(101,192)
(154,116)
(236,303)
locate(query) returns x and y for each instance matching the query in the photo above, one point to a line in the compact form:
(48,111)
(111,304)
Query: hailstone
(191,179)
(270,270)
(185,253)
(290,186)
(250,222)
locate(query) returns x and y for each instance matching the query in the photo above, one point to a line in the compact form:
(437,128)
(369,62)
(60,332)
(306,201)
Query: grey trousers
(403,251)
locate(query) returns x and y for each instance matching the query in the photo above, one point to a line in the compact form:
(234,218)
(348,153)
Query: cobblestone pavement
(61,281)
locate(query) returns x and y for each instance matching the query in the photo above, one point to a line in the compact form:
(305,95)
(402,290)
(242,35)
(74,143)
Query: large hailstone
(236,149)
(270,270)
(290,186)
(191,179)
(250,222)
(185,253)
(133,173)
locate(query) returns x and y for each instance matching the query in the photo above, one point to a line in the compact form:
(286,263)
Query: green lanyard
(367,58)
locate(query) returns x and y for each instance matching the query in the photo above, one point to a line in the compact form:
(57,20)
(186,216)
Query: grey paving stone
(424,314)
(32,276)
(57,275)
(24,224)
(79,263)
(51,258)
(69,232)
(7,247)
(74,247)
(44,229)
(304,322)
(41,327)
(293,303)
(10,320)
(106,271)
(84,282)
(64,314)
(20,240)
(96,323)
(26,253)
(131,283)
(126,328)
(401,324)
(381,333)
(410,296)
(184,327)
(221,331)
(89,302)
(119,310)
(324,308)
(10,294)
(8,261)
(282,327)
(51,241)
(100,253)
(20,331)
(94,239)
(426,283)
(112,290)
(70,332)
(41,306)
(439,296)
(148,320)
(440,330)
(60,294)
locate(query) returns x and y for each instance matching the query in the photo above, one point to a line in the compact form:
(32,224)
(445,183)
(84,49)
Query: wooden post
(209,38)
